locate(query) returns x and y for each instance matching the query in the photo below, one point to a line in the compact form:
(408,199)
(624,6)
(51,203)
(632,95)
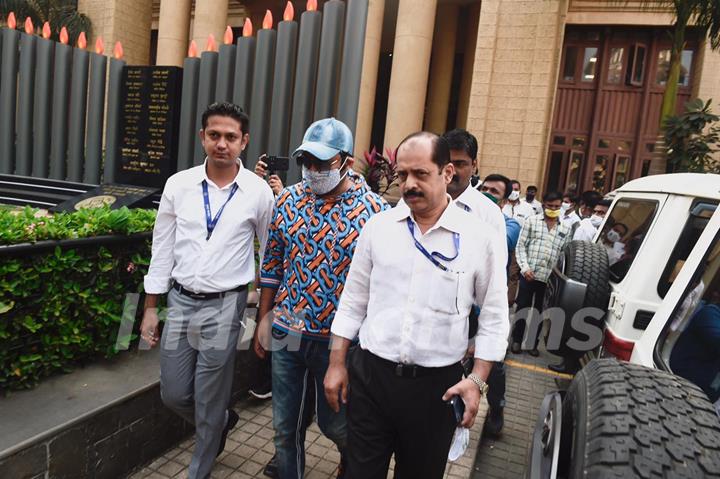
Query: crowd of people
(371,320)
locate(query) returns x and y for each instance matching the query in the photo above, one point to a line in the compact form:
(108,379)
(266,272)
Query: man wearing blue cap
(310,245)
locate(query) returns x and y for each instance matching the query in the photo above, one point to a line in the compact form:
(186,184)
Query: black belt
(205,296)
(411,370)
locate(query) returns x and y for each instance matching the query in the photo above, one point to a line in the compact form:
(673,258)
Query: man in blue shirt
(498,188)
(696,355)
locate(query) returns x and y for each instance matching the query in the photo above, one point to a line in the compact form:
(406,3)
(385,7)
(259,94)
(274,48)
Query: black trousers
(530,293)
(389,414)
(260,372)
(496,386)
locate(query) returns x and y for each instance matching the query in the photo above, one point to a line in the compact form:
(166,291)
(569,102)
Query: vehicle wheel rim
(548,433)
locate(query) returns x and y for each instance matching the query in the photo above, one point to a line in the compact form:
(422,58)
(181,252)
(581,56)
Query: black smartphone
(458,407)
(277,163)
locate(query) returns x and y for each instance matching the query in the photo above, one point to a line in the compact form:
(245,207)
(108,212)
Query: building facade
(563,94)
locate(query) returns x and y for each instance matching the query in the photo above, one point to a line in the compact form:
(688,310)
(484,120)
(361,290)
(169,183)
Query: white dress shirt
(478,204)
(519,212)
(408,310)
(473,201)
(586,231)
(180,250)
(534,204)
(569,219)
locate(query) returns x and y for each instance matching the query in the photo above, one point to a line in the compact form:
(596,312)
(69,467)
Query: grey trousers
(197,362)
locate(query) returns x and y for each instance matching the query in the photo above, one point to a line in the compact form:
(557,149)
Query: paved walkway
(249,447)
(528,381)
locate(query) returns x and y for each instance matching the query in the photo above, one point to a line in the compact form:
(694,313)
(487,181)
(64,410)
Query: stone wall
(127,21)
(708,82)
(514,82)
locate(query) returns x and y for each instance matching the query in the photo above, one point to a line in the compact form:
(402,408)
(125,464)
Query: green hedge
(60,307)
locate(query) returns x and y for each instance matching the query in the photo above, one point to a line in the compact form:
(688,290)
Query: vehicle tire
(587,263)
(622,420)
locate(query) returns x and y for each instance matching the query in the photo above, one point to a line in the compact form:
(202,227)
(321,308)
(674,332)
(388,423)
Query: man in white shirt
(515,208)
(519,211)
(613,241)
(463,156)
(588,227)
(202,253)
(568,216)
(416,273)
(530,194)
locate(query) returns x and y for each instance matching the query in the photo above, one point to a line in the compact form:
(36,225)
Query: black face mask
(530,196)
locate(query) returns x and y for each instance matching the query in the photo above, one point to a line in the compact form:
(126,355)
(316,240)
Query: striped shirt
(310,245)
(538,248)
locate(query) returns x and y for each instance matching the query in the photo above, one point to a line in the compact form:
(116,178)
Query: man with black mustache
(417,271)
(463,157)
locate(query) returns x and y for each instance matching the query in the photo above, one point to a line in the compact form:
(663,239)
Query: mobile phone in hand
(458,407)
(277,163)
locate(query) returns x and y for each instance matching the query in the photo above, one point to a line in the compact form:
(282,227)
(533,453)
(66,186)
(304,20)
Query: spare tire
(588,263)
(622,420)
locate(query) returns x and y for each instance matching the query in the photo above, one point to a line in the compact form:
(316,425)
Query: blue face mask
(323,182)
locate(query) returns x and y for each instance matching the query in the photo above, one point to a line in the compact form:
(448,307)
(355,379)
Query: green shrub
(61,307)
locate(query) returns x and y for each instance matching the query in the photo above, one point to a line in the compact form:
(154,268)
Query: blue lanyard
(432,256)
(212,222)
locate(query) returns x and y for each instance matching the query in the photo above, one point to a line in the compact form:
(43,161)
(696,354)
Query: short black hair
(624,226)
(227,109)
(462,140)
(441,151)
(590,198)
(504,179)
(605,203)
(515,182)
(533,187)
(552,196)
(573,198)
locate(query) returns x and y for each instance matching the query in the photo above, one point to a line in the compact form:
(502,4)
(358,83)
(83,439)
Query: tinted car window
(700,214)
(624,232)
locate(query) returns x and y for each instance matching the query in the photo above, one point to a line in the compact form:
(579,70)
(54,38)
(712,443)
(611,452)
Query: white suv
(645,409)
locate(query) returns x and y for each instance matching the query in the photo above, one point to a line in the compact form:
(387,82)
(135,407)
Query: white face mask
(596,220)
(323,182)
(613,236)
(514,196)
(459,445)
(565,206)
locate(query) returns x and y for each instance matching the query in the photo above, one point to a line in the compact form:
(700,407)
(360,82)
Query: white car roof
(702,185)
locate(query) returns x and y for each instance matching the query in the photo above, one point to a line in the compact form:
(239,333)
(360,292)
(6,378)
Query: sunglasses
(312,163)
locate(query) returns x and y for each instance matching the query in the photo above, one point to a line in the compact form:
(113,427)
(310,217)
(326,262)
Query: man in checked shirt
(541,241)
(311,241)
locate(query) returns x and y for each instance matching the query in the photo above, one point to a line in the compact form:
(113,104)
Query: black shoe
(534,352)
(232,419)
(515,348)
(262,392)
(494,422)
(271,468)
(565,367)
(341,467)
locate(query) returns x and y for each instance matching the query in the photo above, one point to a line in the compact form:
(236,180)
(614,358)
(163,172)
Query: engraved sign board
(149,125)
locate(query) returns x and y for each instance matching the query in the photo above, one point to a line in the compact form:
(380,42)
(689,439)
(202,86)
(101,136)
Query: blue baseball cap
(326,138)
